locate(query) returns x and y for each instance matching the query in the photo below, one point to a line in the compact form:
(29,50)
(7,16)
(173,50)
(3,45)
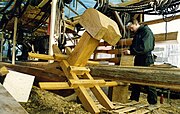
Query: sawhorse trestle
(98,27)
(81,84)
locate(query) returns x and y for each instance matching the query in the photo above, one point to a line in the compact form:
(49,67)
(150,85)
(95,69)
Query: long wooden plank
(86,100)
(160,20)
(158,38)
(112,51)
(102,98)
(140,111)
(41,56)
(170,36)
(54,85)
(124,110)
(8,105)
(121,42)
(79,70)
(115,60)
(86,82)
(65,85)
(59,57)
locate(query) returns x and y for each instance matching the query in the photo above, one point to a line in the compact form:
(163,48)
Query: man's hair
(134,21)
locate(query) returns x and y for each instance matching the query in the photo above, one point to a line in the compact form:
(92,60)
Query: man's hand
(126,52)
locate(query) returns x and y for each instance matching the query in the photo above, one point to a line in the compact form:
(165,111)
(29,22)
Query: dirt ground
(169,106)
(44,102)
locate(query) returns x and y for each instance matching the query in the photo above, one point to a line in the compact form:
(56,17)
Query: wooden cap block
(100,26)
(3,71)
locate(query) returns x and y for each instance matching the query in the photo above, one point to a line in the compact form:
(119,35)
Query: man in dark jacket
(141,47)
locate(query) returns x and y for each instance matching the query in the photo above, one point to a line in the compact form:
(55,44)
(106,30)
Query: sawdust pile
(44,102)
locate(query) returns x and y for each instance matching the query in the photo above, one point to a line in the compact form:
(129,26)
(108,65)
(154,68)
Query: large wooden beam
(151,76)
(40,74)
(159,77)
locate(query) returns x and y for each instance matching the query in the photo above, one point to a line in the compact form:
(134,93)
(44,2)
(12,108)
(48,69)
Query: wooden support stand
(120,93)
(98,27)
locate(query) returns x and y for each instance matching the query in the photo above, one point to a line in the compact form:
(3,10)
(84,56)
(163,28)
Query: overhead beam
(161,20)
(126,3)
(158,38)
(43,3)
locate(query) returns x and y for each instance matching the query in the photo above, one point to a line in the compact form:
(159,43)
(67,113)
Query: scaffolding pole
(52,39)
(14,40)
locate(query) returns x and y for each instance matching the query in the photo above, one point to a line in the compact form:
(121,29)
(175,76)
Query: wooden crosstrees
(65,85)
(80,86)
(98,27)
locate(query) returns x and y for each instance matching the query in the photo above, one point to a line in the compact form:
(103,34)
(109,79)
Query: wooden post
(1,48)
(14,40)
(83,50)
(119,93)
(52,27)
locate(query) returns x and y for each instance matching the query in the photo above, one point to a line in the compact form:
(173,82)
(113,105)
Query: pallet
(129,108)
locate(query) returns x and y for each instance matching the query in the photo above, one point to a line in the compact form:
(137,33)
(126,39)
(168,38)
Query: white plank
(18,85)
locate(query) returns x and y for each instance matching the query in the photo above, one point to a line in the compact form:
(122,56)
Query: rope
(165,18)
